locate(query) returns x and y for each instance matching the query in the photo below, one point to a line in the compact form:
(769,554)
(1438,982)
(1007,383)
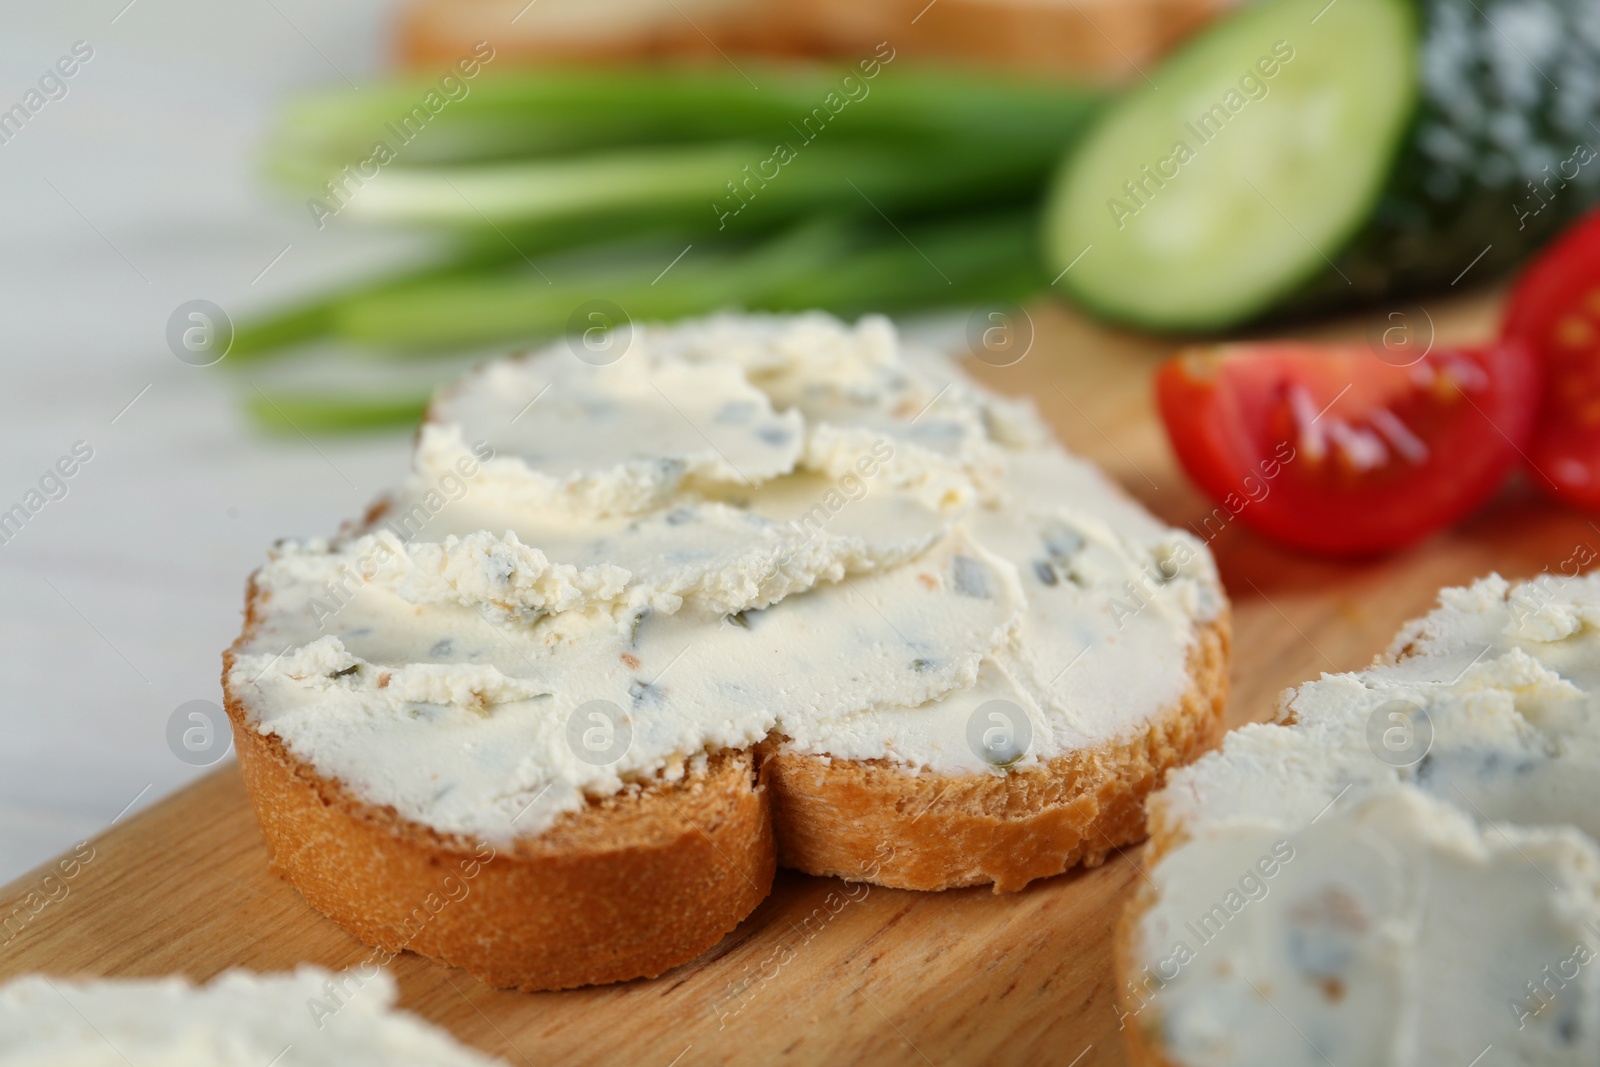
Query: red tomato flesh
(1555,310)
(1332,450)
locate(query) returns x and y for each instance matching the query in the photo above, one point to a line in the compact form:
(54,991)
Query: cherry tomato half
(1555,310)
(1332,450)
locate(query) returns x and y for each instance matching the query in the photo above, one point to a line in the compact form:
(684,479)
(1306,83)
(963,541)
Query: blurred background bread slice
(1099,39)
(1096,39)
(433,33)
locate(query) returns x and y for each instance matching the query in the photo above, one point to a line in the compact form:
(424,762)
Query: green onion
(669,191)
(307,413)
(960,261)
(457,313)
(847,266)
(506,114)
(725,183)
(476,254)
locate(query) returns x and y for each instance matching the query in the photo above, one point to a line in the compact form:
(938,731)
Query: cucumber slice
(1502,154)
(1256,155)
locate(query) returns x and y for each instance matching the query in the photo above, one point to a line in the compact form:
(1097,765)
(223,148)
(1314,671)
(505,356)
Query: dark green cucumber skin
(1435,216)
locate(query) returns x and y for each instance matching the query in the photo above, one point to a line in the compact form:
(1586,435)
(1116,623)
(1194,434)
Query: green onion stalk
(669,192)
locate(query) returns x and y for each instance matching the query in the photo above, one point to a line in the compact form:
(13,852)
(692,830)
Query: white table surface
(136,192)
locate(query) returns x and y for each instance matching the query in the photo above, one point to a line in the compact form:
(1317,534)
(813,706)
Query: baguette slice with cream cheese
(307,1018)
(1402,870)
(659,607)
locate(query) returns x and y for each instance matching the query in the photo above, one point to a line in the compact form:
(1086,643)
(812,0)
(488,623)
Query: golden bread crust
(629,887)
(833,815)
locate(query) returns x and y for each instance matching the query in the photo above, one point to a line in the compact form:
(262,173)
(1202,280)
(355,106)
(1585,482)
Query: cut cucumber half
(1242,169)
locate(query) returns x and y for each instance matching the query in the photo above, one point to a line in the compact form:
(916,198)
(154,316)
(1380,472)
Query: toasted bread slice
(866,681)
(651,878)
(1308,885)
(633,885)
(833,816)
(1091,39)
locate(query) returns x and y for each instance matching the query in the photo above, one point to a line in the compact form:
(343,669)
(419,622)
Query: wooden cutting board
(962,977)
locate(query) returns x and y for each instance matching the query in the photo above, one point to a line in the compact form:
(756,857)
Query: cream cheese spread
(744,528)
(1404,870)
(307,1018)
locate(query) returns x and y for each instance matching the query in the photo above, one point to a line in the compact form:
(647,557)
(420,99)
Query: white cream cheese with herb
(1404,870)
(745,527)
(305,1018)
